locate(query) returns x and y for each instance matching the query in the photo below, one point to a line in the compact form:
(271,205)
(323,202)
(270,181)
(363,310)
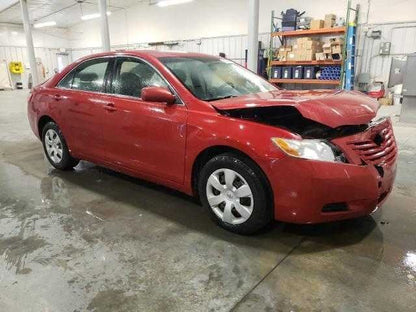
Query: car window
(211,79)
(90,76)
(133,75)
(66,82)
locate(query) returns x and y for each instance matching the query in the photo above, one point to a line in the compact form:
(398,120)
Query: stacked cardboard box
(329,20)
(331,50)
(282,53)
(317,24)
(337,44)
(305,49)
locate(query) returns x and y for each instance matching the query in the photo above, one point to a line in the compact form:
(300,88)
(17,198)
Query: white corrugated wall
(401,35)
(403,41)
(19,54)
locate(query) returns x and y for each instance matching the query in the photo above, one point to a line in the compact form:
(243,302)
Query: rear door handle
(57,97)
(110,107)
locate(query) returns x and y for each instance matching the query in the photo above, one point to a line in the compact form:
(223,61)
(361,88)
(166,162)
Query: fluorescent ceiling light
(92,16)
(44,24)
(165,3)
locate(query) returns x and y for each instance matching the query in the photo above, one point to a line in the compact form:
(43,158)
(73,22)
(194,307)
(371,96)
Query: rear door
(82,102)
(145,137)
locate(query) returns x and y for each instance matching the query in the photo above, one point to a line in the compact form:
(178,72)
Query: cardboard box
(306,43)
(330,16)
(310,45)
(328,56)
(308,55)
(336,49)
(320,56)
(329,20)
(317,24)
(338,40)
(282,56)
(291,56)
(327,47)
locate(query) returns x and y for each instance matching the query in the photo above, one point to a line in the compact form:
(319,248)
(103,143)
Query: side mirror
(157,94)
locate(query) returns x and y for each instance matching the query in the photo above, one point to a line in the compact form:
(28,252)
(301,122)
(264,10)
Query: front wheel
(234,191)
(55,147)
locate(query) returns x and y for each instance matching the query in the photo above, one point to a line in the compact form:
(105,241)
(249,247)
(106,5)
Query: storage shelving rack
(284,35)
(348,52)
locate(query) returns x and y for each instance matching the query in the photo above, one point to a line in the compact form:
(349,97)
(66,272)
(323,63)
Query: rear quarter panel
(39,106)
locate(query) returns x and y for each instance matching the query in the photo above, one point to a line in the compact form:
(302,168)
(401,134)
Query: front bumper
(302,188)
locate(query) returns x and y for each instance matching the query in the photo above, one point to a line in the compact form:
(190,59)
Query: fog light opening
(335,207)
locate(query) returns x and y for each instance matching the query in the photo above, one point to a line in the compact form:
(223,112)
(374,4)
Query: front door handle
(110,107)
(57,97)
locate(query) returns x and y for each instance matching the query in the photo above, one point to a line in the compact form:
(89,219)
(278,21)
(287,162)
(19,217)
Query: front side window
(211,79)
(89,76)
(66,82)
(132,76)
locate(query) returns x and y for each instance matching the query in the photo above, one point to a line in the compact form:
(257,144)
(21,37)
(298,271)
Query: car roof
(152,53)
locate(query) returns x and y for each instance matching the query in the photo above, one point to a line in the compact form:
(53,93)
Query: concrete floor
(96,240)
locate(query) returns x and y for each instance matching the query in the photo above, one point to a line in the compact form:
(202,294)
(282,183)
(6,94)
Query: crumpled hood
(332,108)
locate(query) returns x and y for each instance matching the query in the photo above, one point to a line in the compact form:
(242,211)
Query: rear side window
(89,76)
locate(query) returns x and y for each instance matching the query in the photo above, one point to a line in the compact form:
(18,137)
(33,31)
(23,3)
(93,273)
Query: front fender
(207,130)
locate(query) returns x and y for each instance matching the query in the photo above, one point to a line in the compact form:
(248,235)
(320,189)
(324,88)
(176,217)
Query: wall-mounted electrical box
(385,48)
(375,34)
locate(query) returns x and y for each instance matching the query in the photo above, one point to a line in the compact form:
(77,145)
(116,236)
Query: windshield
(213,79)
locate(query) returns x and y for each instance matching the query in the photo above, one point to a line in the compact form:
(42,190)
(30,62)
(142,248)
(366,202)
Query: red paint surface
(160,142)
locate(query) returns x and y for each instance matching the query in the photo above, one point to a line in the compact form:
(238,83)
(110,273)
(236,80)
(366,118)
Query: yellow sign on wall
(16,67)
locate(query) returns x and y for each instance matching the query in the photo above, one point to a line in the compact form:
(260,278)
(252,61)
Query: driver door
(144,137)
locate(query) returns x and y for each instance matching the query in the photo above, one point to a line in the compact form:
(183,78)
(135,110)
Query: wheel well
(211,152)
(42,122)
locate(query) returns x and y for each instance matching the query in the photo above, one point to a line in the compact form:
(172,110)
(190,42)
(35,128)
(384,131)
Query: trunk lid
(332,108)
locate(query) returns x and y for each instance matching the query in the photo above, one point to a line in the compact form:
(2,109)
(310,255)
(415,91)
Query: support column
(29,42)
(253,34)
(105,33)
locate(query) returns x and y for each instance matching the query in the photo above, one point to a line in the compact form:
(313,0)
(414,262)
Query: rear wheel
(235,193)
(55,147)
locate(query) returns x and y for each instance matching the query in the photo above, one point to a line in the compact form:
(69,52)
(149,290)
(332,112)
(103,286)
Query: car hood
(332,108)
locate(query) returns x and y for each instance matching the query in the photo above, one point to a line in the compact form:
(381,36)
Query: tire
(251,208)
(55,148)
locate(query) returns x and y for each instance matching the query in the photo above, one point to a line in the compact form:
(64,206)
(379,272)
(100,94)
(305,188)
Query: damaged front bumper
(307,191)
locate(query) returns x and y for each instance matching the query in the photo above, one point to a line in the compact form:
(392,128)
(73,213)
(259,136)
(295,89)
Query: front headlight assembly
(310,149)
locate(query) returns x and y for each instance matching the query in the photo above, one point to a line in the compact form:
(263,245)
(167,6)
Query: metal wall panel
(403,41)
(401,35)
(233,46)
(19,54)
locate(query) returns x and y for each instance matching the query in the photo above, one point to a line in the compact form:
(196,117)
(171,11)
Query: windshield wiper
(222,98)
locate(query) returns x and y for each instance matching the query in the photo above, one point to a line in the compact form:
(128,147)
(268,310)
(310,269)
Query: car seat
(130,84)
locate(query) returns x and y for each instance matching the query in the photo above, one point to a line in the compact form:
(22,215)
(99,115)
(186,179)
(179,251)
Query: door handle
(57,97)
(110,107)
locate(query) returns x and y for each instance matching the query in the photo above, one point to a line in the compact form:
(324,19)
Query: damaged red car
(251,153)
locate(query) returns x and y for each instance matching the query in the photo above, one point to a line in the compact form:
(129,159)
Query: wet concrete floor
(95,240)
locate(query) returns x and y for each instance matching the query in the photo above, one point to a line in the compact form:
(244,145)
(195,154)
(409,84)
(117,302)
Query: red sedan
(210,128)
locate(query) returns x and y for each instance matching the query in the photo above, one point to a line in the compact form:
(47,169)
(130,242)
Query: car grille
(379,150)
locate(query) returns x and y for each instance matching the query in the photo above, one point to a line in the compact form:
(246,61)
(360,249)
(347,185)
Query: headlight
(309,149)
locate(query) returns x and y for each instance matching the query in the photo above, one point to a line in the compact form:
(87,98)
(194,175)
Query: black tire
(262,213)
(67,161)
